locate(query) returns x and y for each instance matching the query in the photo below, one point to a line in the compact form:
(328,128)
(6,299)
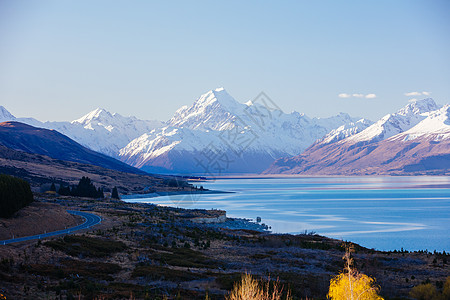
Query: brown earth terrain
(142,251)
(40,169)
(387,157)
(37,218)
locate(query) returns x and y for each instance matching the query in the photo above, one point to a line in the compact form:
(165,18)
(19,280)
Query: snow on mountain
(211,111)
(392,124)
(218,134)
(103,131)
(345,131)
(98,130)
(243,137)
(436,127)
(415,140)
(5,115)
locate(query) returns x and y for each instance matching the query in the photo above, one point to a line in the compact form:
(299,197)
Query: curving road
(89,221)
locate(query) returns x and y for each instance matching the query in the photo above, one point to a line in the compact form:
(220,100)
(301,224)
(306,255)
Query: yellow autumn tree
(352,285)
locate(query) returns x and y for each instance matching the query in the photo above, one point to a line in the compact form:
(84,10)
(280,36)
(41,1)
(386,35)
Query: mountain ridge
(216,134)
(30,139)
(98,130)
(421,147)
(243,138)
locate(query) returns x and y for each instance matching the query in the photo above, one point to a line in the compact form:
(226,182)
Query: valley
(147,251)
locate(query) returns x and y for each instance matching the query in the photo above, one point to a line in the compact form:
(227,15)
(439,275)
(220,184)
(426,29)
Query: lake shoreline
(172,193)
(165,250)
(324,205)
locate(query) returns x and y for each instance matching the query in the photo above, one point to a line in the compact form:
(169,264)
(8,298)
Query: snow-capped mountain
(98,130)
(436,127)
(398,122)
(217,134)
(5,115)
(211,111)
(15,136)
(103,131)
(415,140)
(345,131)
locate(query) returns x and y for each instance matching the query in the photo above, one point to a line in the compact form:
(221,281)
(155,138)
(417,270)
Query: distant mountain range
(26,138)
(215,135)
(42,156)
(218,135)
(414,140)
(98,130)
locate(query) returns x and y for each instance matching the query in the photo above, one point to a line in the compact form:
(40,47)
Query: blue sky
(61,59)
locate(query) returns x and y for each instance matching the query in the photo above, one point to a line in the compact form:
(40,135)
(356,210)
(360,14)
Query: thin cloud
(412,100)
(415,94)
(357,95)
(344,95)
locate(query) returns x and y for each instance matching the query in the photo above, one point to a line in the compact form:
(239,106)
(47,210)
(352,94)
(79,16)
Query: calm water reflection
(384,213)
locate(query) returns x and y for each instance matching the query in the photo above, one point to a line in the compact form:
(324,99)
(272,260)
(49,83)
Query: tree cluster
(15,194)
(115,193)
(85,188)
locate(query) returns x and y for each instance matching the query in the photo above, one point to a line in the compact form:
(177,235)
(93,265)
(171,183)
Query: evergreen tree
(15,194)
(64,191)
(86,188)
(53,187)
(100,193)
(115,193)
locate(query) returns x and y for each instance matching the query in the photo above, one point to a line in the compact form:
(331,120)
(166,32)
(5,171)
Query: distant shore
(174,193)
(278,176)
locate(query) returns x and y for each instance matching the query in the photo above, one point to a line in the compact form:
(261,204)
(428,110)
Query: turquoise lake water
(385,213)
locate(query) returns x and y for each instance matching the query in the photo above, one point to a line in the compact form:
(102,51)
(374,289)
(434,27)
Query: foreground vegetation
(85,188)
(149,252)
(15,194)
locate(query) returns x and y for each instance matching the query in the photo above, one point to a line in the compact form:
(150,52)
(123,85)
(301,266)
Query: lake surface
(385,213)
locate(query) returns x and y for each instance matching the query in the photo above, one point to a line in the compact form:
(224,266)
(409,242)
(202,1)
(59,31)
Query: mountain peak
(392,124)
(213,110)
(219,95)
(5,115)
(96,114)
(417,107)
(436,126)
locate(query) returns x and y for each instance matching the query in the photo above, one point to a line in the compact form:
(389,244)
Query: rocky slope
(23,137)
(98,130)
(415,140)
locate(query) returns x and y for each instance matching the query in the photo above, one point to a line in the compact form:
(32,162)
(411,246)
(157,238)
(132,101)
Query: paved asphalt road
(90,220)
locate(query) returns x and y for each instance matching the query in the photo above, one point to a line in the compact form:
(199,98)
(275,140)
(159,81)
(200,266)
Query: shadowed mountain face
(385,157)
(19,136)
(40,169)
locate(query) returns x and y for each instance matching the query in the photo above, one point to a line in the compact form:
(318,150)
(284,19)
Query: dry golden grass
(250,289)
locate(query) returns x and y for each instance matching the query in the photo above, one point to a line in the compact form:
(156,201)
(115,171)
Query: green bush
(15,194)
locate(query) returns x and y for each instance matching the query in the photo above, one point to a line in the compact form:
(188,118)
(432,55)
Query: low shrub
(76,245)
